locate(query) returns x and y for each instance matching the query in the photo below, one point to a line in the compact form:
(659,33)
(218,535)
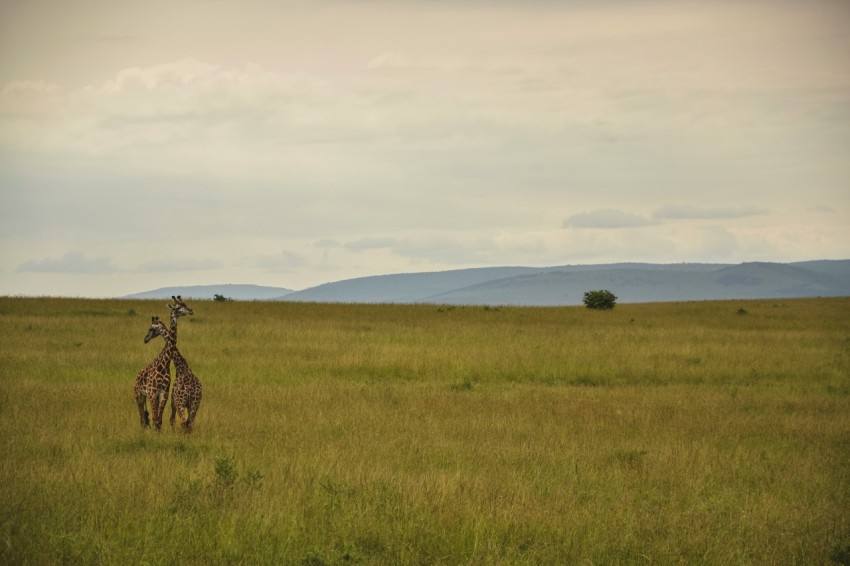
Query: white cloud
(176,265)
(179,75)
(713,243)
(692,212)
(607,218)
(448,249)
(400,61)
(371,243)
(72,262)
(183,103)
(283,262)
(25,91)
(821,208)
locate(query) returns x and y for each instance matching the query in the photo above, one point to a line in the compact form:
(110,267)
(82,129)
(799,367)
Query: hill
(402,287)
(238,292)
(565,285)
(641,285)
(557,285)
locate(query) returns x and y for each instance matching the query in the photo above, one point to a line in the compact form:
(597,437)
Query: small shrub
(225,471)
(630,458)
(313,559)
(221,298)
(253,479)
(187,495)
(465,385)
(600,300)
(841,555)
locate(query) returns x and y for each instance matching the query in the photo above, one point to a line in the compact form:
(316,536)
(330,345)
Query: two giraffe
(154,380)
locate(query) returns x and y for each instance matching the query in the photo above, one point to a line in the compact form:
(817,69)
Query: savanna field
(676,433)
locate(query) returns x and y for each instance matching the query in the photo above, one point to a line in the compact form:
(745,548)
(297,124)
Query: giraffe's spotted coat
(187,392)
(153,381)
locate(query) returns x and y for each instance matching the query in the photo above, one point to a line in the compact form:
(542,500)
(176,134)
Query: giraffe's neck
(176,357)
(170,346)
(174,318)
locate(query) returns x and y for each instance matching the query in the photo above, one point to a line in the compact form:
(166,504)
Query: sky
(153,144)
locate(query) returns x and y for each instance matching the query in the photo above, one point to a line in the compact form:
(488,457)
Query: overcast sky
(150,144)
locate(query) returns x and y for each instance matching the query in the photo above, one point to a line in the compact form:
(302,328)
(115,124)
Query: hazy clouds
(291,144)
(607,218)
(71,262)
(685,212)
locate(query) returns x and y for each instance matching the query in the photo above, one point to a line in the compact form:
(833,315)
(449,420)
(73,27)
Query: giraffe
(187,388)
(153,381)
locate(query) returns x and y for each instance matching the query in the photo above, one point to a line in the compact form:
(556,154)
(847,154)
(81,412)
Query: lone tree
(600,300)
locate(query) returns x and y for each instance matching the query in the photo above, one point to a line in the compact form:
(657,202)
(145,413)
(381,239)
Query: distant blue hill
(566,285)
(403,287)
(236,292)
(558,285)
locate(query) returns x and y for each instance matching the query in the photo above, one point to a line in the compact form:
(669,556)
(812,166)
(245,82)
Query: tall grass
(374,434)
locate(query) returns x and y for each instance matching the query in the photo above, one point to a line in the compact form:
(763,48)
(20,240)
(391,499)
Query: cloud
(371,244)
(475,248)
(174,103)
(824,208)
(690,212)
(715,243)
(192,114)
(175,75)
(392,60)
(283,262)
(168,265)
(72,262)
(29,89)
(398,61)
(607,218)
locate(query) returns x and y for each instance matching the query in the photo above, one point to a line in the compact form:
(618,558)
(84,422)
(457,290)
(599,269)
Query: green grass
(372,434)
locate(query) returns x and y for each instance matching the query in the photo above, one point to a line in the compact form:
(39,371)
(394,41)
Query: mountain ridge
(241,292)
(558,285)
(641,285)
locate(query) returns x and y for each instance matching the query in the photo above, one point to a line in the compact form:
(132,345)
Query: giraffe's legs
(144,417)
(178,401)
(194,405)
(158,402)
(187,426)
(180,412)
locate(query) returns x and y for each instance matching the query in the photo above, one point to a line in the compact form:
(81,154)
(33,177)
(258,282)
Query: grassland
(711,433)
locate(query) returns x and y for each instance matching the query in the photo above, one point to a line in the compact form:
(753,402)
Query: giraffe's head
(157,329)
(179,308)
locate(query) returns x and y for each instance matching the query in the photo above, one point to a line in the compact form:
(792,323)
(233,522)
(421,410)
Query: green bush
(601,300)
(225,471)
